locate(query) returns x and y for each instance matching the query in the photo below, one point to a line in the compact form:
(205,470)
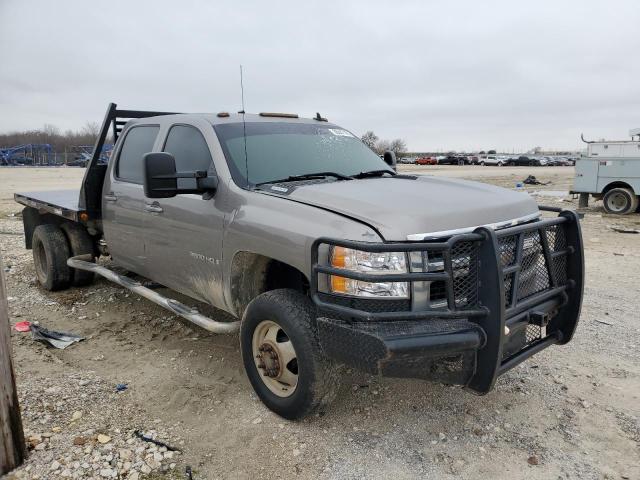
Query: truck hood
(403,208)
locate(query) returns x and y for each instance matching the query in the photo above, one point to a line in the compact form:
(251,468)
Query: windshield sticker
(339,132)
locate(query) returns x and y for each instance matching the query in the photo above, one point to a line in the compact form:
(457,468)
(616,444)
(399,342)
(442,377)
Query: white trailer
(610,171)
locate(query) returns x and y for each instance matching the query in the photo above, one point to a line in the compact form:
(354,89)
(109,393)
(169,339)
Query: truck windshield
(276,150)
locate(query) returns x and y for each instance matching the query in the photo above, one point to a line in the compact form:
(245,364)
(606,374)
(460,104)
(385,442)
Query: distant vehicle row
(498,160)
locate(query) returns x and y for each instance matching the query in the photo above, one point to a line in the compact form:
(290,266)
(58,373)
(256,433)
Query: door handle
(111,197)
(153,208)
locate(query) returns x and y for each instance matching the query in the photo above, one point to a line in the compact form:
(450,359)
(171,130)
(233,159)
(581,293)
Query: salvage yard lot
(569,412)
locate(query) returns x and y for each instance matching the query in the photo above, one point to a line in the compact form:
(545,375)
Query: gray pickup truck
(324,254)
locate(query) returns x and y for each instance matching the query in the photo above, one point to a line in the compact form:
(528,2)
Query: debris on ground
(603,322)
(121,387)
(97,443)
(149,438)
(532,180)
(615,228)
(54,338)
(22,326)
(561,195)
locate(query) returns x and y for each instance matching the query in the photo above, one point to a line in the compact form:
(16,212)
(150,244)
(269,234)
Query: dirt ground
(569,412)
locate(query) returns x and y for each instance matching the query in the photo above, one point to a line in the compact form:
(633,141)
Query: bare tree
(382,146)
(398,146)
(370,139)
(50,130)
(50,134)
(91,130)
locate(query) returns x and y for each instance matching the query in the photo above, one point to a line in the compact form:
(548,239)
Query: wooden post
(12,446)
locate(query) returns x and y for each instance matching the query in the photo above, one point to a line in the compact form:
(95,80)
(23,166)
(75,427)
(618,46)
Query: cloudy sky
(441,75)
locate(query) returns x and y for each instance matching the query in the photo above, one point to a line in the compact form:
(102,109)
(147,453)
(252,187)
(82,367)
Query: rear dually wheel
(50,254)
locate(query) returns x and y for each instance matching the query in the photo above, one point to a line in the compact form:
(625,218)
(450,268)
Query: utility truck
(610,171)
(321,251)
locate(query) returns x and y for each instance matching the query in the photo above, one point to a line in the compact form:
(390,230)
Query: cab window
(190,149)
(139,140)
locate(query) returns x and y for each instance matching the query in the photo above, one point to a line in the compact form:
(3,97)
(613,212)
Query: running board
(84,262)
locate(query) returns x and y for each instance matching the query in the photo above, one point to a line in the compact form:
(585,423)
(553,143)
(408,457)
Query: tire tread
(80,243)
(54,242)
(325,373)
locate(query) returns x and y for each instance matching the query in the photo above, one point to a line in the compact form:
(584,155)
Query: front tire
(620,201)
(282,354)
(50,254)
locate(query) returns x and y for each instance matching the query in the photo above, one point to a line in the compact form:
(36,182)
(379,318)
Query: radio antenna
(244,127)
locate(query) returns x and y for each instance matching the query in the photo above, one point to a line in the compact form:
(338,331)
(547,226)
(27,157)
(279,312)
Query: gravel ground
(569,412)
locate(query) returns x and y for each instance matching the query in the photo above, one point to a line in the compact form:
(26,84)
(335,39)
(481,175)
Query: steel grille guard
(497,308)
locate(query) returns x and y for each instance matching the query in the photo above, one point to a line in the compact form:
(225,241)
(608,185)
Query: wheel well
(31,218)
(253,274)
(613,185)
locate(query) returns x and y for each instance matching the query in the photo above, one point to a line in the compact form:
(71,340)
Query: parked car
(487,160)
(406,160)
(564,161)
(473,159)
(524,160)
(426,161)
(310,246)
(454,159)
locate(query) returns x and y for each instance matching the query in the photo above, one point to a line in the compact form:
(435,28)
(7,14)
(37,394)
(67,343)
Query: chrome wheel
(275,358)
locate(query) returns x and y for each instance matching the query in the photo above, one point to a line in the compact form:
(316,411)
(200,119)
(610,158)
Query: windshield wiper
(308,176)
(374,173)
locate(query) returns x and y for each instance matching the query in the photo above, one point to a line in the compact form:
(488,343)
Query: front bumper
(505,295)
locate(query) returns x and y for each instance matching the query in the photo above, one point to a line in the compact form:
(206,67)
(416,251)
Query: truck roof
(225,117)
(86,204)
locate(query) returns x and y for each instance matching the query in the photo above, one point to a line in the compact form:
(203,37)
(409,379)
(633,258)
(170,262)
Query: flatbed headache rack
(91,190)
(87,206)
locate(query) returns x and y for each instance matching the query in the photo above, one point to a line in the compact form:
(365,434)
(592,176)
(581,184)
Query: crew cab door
(123,199)
(183,234)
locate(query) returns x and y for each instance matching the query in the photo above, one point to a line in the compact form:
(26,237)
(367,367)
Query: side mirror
(390,159)
(161,178)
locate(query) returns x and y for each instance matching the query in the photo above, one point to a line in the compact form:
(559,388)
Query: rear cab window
(138,141)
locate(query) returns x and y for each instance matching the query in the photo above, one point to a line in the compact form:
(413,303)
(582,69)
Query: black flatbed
(63,203)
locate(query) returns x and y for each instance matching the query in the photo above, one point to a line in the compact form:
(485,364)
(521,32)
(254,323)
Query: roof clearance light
(282,115)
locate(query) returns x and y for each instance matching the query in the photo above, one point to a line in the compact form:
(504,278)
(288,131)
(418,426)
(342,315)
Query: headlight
(370,263)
